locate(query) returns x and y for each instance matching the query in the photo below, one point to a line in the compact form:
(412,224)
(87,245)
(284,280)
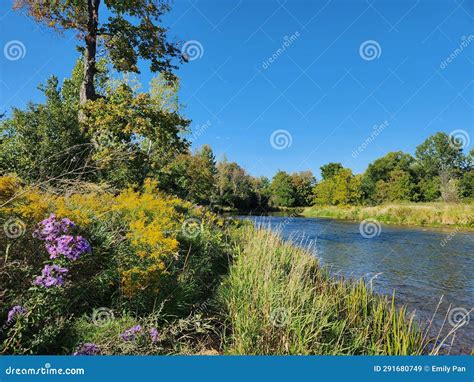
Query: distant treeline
(439,171)
(126,136)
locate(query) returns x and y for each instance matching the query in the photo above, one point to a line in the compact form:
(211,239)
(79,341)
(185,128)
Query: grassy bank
(161,276)
(419,214)
(279,301)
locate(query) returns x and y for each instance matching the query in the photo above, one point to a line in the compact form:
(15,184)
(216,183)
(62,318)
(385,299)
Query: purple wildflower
(49,229)
(69,246)
(154,335)
(130,334)
(51,275)
(87,349)
(17,310)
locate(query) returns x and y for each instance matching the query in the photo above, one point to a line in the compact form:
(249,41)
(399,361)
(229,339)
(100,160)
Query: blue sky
(323,92)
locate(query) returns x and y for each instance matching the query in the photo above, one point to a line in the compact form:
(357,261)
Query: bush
(148,250)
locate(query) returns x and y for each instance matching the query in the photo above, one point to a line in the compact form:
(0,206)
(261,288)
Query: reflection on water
(420,265)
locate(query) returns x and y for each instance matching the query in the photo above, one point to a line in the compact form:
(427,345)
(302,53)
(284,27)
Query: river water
(421,266)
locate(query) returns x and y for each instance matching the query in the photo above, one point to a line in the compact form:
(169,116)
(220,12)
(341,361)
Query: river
(421,266)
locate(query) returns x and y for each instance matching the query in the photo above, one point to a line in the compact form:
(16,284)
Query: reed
(280,301)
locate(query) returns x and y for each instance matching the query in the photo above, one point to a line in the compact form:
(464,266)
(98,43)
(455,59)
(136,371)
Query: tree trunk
(87,91)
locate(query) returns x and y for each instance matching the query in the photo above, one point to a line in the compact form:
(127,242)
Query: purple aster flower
(130,334)
(49,229)
(155,337)
(17,310)
(52,249)
(87,349)
(51,275)
(71,247)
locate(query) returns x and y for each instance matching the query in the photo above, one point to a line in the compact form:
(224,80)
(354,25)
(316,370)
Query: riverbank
(278,300)
(414,214)
(178,280)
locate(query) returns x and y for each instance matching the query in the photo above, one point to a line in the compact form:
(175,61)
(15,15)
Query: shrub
(143,256)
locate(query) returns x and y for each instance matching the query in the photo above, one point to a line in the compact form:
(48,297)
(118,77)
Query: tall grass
(423,214)
(279,301)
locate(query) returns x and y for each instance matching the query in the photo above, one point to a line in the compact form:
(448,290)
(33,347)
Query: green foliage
(134,134)
(44,140)
(438,153)
(380,172)
(399,187)
(341,189)
(295,190)
(129,30)
(303,183)
(330,169)
(129,137)
(234,186)
(191,177)
(283,192)
(466,185)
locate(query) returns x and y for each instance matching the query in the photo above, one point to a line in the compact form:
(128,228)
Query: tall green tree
(439,154)
(234,186)
(283,192)
(441,160)
(380,171)
(128,30)
(341,189)
(303,183)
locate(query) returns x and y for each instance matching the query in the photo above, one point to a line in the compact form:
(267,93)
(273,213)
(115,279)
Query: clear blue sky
(322,89)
